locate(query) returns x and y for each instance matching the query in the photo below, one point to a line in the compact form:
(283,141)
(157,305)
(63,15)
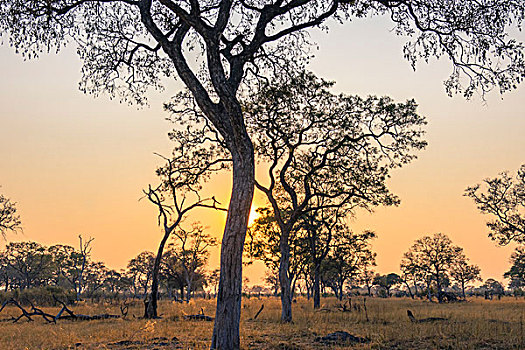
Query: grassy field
(476,324)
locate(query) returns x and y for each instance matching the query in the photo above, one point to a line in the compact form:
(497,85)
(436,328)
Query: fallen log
(35,311)
(413,319)
(199,317)
(257,314)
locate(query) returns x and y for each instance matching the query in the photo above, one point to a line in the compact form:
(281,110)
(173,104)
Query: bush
(41,296)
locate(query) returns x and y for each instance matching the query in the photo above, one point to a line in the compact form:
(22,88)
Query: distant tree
(70,264)
(503,197)
(272,280)
(30,264)
(264,244)
(191,247)
(516,273)
(432,258)
(367,275)
(411,272)
(173,274)
(350,259)
(463,273)
(177,194)
(9,219)
(213,280)
(95,277)
(326,151)
(387,281)
(139,270)
(320,226)
(493,287)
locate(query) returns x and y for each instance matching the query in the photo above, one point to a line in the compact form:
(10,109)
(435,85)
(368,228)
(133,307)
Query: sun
(254,215)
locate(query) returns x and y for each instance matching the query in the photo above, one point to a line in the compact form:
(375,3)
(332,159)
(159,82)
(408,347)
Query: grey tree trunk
(228,312)
(284,279)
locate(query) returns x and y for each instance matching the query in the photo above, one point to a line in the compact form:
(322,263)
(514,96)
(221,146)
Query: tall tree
(128,45)
(9,219)
(326,152)
(504,198)
(516,273)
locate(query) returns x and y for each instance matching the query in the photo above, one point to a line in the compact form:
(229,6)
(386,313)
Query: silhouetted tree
(387,281)
(29,263)
(503,197)
(326,152)
(128,45)
(463,273)
(263,244)
(191,248)
(9,219)
(432,258)
(516,273)
(139,270)
(493,287)
(349,259)
(177,194)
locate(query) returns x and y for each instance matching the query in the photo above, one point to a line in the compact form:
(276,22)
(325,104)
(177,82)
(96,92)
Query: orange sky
(77,164)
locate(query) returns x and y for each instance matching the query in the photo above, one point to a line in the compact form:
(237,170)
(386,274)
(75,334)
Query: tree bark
(228,312)
(150,307)
(284,279)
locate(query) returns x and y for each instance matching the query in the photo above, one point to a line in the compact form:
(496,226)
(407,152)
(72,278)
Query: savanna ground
(476,324)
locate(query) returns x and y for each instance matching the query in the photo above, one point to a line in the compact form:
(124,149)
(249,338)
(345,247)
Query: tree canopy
(504,198)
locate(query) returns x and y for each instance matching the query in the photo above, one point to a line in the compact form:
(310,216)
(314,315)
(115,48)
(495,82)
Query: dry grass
(477,324)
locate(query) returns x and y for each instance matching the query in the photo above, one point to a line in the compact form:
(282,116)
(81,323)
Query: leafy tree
(464,273)
(350,259)
(128,45)
(191,248)
(432,258)
(320,226)
(9,219)
(516,273)
(326,152)
(263,244)
(493,287)
(387,281)
(504,198)
(213,280)
(139,270)
(30,264)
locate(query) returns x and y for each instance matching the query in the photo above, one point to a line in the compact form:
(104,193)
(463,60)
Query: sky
(76,164)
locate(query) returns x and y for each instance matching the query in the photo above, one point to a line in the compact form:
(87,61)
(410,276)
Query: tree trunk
(317,292)
(150,307)
(228,312)
(284,279)
(409,290)
(463,290)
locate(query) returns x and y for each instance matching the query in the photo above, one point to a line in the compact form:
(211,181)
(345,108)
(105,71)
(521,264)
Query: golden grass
(477,324)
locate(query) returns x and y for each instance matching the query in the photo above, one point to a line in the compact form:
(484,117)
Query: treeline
(29,270)
(433,268)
